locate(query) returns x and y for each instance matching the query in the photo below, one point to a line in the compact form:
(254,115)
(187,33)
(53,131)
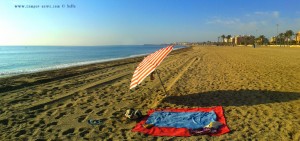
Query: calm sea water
(16,60)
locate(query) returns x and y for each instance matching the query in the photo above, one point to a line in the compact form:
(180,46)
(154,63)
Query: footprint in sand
(69,105)
(22,132)
(51,124)
(36,125)
(83,131)
(60,104)
(90,100)
(115,114)
(50,130)
(123,131)
(69,131)
(60,115)
(105,104)
(100,112)
(42,121)
(4,121)
(88,111)
(101,127)
(81,118)
(49,113)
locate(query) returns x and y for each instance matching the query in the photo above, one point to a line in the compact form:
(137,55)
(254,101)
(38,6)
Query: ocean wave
(61,66)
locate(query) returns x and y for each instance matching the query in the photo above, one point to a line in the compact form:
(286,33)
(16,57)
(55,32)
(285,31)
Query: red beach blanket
(171,131)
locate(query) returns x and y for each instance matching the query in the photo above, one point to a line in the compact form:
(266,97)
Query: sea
(15,60)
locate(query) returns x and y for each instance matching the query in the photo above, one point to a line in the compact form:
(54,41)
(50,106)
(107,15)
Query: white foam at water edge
(179,48)
(132,56)
(55,67)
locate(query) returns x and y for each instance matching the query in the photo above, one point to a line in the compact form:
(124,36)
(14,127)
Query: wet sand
(259,90)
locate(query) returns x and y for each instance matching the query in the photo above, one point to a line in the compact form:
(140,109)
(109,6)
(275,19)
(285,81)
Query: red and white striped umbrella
(148,65)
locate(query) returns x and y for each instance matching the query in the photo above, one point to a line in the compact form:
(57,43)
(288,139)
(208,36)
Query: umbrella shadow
(232,98)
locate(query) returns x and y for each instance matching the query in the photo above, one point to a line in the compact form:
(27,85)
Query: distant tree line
(285,38)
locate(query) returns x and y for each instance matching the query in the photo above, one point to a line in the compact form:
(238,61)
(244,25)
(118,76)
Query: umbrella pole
(161,82)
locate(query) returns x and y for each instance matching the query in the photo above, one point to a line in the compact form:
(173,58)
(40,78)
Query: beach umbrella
(148,65)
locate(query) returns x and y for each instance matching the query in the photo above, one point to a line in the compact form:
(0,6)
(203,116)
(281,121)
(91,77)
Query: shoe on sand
(94,122)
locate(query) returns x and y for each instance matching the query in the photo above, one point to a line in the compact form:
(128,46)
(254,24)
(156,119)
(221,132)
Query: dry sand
(258,88)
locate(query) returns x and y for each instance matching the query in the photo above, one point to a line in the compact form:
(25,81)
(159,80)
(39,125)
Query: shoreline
(70,65)
(59,72)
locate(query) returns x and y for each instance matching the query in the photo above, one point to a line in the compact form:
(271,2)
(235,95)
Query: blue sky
(123,22)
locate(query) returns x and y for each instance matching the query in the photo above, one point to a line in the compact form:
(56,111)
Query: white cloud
(228,21)
(236,26)
(249,22)
(274,14)
(231,22)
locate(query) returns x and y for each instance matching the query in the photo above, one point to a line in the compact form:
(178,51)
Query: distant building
(244,40)
(273,40)
(297,37)
(237,39)
(232,40)
(226,40)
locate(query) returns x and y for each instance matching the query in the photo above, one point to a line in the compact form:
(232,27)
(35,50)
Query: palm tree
(262,39)
(228,38)
(258,40)
(281,36)
(223,37)
(285,40)
(248,39)
(288,34)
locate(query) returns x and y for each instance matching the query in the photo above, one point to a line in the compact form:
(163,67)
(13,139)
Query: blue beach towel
(190,120)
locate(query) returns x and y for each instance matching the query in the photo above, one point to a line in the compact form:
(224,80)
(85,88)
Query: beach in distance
(259,89)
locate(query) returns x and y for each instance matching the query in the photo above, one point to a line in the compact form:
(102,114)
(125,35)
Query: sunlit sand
(259,89)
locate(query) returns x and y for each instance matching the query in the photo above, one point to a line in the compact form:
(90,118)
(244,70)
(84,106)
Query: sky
(129,22)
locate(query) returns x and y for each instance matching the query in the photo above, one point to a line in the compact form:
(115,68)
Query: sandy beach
(259,89)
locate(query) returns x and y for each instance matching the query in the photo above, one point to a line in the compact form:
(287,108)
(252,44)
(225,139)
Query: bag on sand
(133,114)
